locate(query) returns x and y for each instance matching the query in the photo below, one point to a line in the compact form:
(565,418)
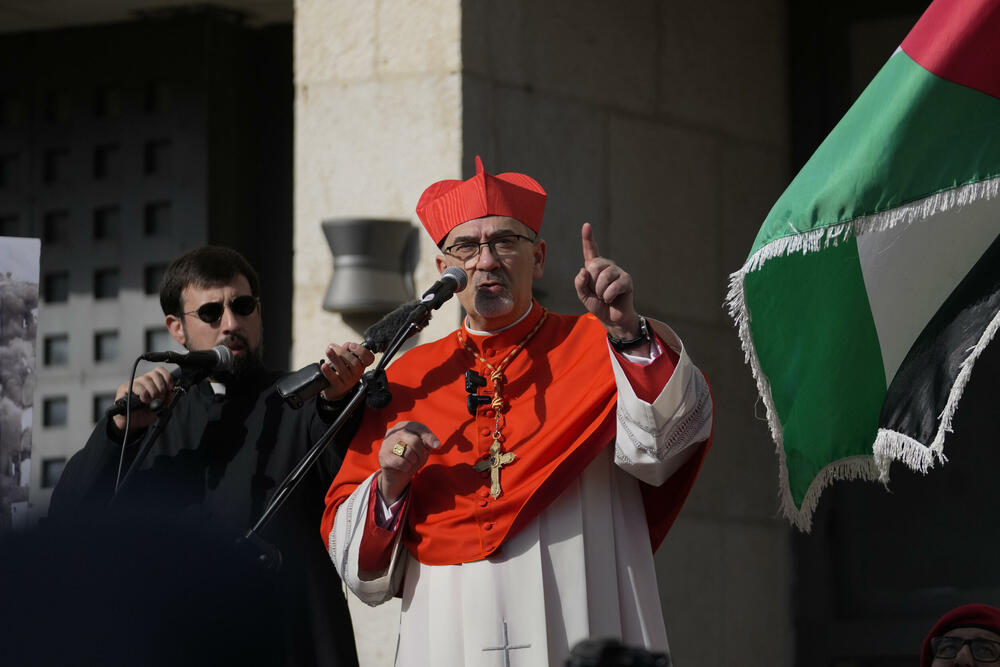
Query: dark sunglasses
(211,312)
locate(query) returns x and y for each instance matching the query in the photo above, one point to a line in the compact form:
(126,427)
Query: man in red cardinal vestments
(529,464)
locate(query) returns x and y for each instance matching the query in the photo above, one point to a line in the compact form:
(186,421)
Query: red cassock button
(484,503)
(485,431)
(491,353)
(488,525)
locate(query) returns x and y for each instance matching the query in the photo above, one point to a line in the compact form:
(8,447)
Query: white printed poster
(18,325)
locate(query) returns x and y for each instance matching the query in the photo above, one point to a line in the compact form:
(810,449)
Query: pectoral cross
(496,461)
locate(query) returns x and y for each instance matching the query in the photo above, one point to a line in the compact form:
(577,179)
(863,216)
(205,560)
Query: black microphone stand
(163,416)
(266,554)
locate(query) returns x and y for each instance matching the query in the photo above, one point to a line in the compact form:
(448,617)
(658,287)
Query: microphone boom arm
(267,554)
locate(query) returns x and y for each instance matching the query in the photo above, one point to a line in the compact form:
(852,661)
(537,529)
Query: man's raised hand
(605,289)
(156,384)
(344,366)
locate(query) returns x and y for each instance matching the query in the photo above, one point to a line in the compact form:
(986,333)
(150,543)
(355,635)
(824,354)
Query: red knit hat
(966,616)
(447,204)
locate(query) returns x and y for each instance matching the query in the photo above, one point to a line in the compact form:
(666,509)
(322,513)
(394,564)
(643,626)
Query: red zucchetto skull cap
(447,204)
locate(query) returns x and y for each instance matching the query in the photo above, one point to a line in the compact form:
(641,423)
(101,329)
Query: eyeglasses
(211,312)
(500,246)
(983,650)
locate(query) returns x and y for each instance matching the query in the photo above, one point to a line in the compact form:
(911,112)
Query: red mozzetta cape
(562,397)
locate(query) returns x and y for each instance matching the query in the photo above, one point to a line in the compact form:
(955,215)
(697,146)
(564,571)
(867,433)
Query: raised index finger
(590,250)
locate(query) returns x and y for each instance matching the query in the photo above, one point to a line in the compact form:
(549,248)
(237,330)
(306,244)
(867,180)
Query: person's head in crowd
(210,296)
(612,653)
(966,636)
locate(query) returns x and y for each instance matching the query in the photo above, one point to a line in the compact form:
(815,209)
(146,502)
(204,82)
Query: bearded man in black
(230,442)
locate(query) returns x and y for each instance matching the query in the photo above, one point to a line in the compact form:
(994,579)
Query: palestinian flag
(874,283)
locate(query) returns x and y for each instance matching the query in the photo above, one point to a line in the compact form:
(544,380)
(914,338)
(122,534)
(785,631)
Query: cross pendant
(496,461)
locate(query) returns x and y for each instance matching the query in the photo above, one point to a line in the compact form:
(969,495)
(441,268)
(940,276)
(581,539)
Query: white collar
(475,332)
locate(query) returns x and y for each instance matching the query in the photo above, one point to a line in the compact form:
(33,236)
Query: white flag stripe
(911,268)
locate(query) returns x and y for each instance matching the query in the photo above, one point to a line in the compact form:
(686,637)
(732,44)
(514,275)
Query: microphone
(184,379)
(453,279)
(306,382)
(219,358)
(120,406)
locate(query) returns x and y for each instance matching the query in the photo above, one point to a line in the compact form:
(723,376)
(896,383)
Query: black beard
(244,366)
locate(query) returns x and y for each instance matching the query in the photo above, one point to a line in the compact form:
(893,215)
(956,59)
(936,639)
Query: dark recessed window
(159,340)
(55,226)
(152,276)
(106,222)
(8,170)
(11,111)
(107,102)
(52,471)
(54,165)
(56,350)
(106,284)
(10,225)
(156,97)
(56,107)
(55,287)
(105,346)
(157,218)
(55,411)
(156,156)
(106,161)
(102,403)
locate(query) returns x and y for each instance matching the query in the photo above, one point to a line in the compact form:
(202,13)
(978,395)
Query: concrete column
(377,118)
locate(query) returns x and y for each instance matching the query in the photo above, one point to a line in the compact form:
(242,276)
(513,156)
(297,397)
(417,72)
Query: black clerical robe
(215,467)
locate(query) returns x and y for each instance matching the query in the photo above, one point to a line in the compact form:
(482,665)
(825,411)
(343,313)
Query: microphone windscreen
(379,335)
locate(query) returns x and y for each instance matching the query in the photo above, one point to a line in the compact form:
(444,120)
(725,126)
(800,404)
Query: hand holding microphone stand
(386,336)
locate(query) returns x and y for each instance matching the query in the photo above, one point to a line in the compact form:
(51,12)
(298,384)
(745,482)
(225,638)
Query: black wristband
(643,337)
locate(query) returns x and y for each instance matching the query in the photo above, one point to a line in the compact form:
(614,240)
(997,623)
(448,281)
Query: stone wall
(662,123)
(665,125)
(377,116)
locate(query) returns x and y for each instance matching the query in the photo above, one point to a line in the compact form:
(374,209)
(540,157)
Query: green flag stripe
(909,135)
(817,346)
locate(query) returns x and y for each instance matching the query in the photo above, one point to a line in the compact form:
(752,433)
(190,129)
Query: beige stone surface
(562,144)
(415,38)
(334,40)
(725,588)
(757,572)
(723,66)
(739,478)
(692,591)
(752,178)
(491,40)
(662,123)
(355,155)
(600,51)
(664,190)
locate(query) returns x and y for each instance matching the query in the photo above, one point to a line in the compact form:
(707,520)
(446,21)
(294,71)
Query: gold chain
(496,372)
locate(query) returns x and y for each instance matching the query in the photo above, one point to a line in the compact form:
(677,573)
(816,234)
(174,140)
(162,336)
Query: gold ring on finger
(399,449)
